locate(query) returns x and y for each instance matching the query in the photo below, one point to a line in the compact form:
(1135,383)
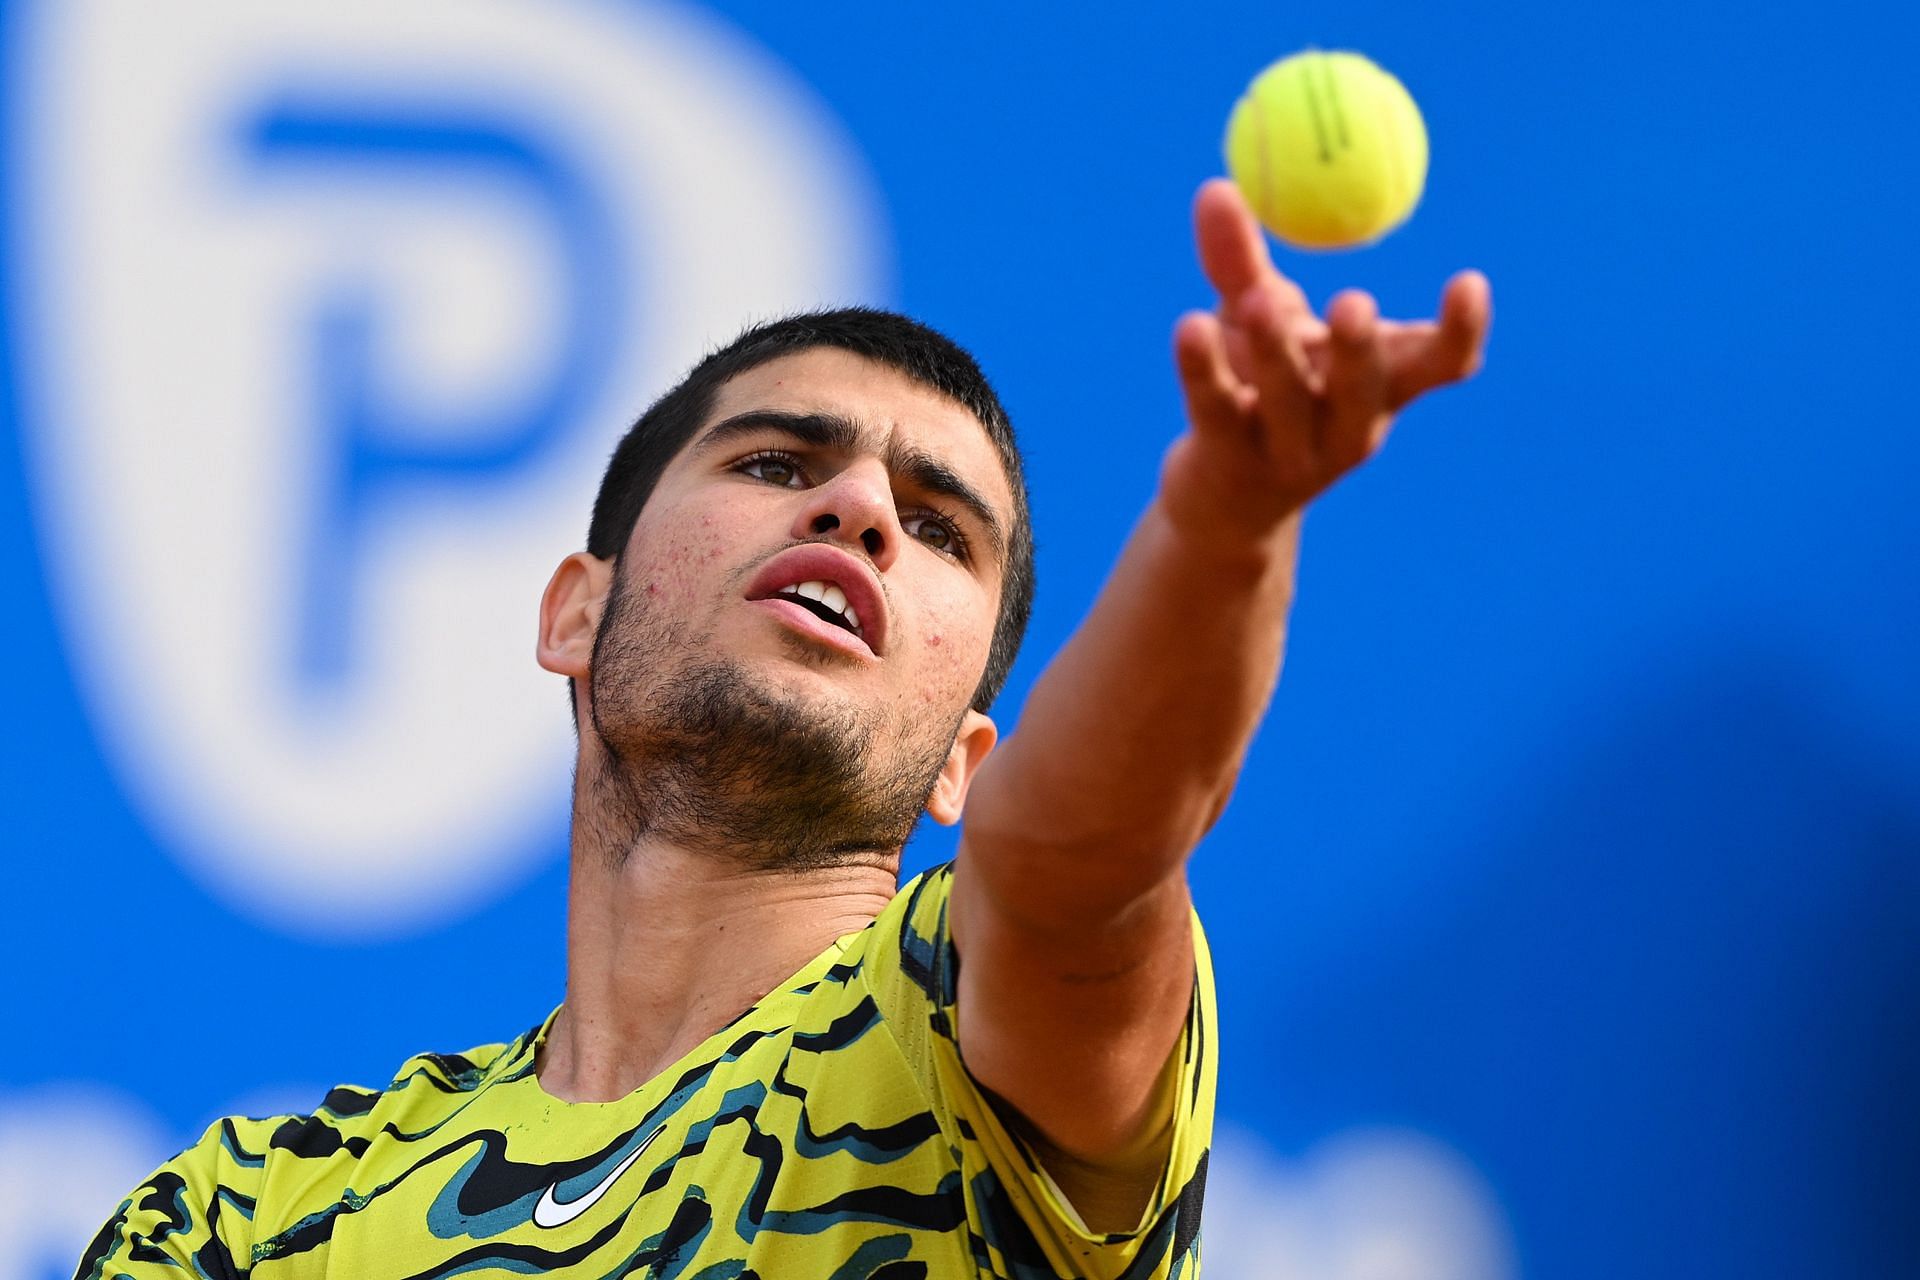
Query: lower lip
(814,627)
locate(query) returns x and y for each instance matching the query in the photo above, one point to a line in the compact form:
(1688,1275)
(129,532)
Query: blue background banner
(1565,920)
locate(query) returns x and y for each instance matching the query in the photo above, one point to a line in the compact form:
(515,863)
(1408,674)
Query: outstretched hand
(1282,402)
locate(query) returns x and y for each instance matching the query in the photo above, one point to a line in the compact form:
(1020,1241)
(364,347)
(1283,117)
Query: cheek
(676,566)
(955,641)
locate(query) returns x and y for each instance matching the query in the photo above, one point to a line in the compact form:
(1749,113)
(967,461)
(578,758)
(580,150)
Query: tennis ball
(1329,150)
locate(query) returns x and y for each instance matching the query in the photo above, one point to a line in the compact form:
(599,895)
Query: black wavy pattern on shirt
(843,1030)
(494,1182)
(894,1139)
(687,1221)
(165,1193)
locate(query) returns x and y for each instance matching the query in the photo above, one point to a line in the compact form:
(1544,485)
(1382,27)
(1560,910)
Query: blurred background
(1565,920)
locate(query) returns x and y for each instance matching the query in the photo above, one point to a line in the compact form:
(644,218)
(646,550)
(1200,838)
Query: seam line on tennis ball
(1264,144)
(1265,153)
(1313,110)
(1334,109)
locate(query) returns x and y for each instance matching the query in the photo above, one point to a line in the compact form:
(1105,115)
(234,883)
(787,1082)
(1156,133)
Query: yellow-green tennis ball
(1329,150)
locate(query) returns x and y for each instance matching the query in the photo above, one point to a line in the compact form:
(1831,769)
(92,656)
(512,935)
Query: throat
(669,948)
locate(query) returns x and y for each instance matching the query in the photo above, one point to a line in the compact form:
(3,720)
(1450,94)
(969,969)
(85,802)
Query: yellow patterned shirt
(831,1131)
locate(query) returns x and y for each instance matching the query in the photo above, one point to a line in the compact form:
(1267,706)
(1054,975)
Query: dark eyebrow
(833,432)
(821,430)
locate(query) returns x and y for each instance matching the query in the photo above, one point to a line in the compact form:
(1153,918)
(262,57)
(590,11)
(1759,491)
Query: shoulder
(910,935)
(348,1120)
(249,1176)
(1016,1213)
(907,961)
(350,1114)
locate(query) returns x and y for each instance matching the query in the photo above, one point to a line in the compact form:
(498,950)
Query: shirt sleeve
(193,1217)
(1022,1225)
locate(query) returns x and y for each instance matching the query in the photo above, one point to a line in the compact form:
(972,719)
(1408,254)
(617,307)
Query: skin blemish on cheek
(934,642)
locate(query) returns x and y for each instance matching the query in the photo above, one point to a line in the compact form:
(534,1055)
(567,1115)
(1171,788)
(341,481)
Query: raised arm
(1070,904)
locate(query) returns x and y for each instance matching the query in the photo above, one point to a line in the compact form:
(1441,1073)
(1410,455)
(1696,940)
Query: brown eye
(935,534)
(774,470)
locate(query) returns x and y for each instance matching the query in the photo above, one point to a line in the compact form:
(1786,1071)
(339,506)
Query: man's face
(820,565)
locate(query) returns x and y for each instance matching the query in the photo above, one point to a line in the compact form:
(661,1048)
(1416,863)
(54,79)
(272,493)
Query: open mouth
(825,601)
(834,586)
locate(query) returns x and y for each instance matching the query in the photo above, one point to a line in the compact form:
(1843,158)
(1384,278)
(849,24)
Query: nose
(856,505)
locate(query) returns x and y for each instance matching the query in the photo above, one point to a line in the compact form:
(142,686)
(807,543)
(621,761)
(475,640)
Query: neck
(666,944)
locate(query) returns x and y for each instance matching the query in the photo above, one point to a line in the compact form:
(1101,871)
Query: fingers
(1424,356)
(1355,419)
(1233,251)
(1281,371)
(1218,402)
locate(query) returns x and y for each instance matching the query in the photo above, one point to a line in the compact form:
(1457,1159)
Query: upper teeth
(831,596)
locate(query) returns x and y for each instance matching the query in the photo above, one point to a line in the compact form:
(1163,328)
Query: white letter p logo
(333,316)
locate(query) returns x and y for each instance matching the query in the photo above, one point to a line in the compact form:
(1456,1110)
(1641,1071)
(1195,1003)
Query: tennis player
(808,570)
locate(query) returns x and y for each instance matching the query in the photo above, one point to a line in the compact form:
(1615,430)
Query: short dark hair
(921,353)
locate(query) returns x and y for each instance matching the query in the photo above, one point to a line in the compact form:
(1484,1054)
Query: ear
(970,746)
(570,614)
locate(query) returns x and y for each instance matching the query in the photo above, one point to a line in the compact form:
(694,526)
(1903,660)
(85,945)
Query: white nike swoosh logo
(554,1212)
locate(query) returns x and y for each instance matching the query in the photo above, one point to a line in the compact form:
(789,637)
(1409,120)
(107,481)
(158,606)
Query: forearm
(1128,747)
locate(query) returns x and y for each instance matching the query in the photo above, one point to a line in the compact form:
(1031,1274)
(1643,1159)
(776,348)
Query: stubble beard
(701,753)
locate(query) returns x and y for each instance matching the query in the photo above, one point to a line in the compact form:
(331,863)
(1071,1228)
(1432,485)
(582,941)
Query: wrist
(1217,543)
(1225,512)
